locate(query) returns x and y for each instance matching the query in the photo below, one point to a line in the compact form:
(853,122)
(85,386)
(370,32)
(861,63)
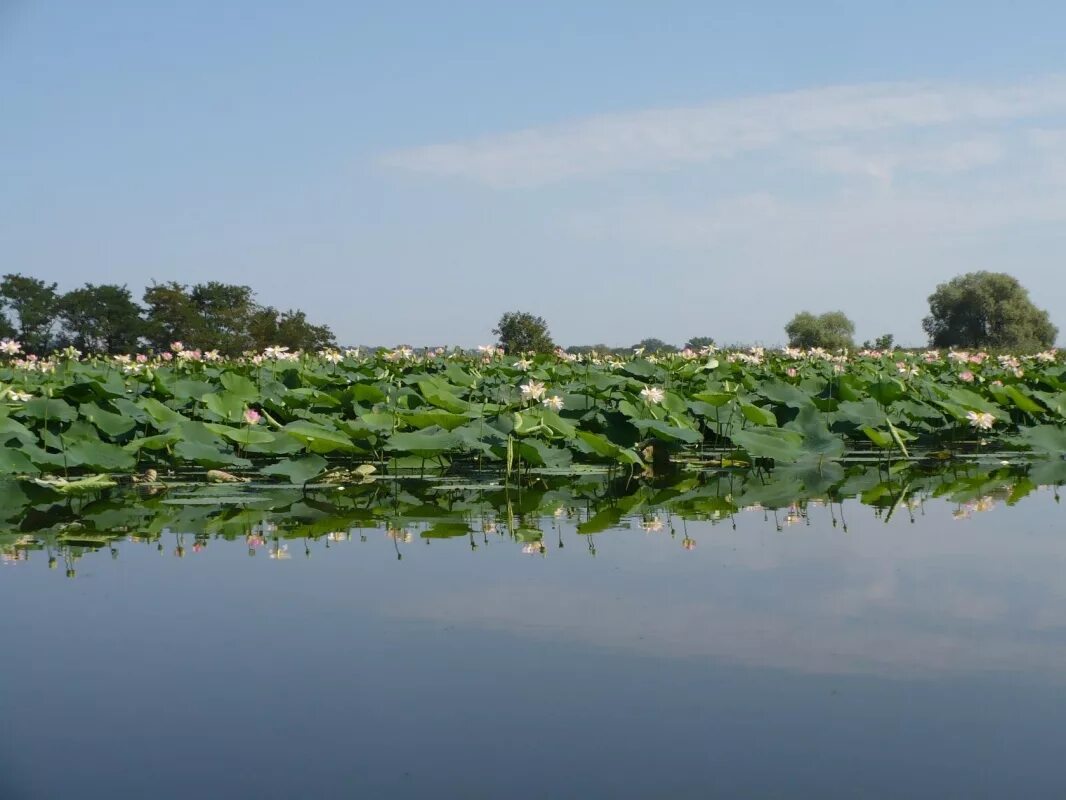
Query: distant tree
(831,331)
(522,332)
(224,311)
(207,316)
(699,342)
(35,305)
(170,316)
(987,309)
(885,341)
(654,346)
(101,319)
(7,330)
(267,327)
(585,349)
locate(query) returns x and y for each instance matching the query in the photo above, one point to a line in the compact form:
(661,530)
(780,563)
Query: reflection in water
(872,631)
(266,517)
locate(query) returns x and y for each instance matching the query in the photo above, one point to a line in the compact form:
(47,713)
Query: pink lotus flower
(966,376)
(251,416)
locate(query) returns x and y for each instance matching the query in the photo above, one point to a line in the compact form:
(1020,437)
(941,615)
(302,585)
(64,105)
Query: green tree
(831,331)
(522,332)
(170,316)
(267,327)
(207,316)
(101,319)
(35,305)
(699,342)
(224,311)
(653,345)
(987,309)
(7,330)
(885,341)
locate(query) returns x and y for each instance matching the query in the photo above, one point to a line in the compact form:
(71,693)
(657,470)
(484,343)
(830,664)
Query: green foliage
(987,309)
(806,409)
(35,305)
(522,332)
(101,319)
(830,331)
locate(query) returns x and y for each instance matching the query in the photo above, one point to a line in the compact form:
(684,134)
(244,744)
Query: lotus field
(291,417)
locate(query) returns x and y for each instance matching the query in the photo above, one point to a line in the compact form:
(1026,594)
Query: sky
(408,171)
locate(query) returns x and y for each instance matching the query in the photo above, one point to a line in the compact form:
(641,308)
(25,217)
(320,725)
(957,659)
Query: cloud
(819,119)
(883,163)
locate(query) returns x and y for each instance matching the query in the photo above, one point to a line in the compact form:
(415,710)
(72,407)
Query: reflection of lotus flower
(688,544)
(651,524)
(280,552)
(398,534)
(534,549)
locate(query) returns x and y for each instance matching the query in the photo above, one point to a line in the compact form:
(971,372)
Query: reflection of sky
(760,663)
(939,594)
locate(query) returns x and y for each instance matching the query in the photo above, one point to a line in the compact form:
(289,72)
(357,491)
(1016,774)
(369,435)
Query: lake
(896,634)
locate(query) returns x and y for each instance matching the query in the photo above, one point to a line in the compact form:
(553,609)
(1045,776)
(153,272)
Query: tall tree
(831,331)
(224,310)
(170,316)
(522,332)
(101,319)
(35,305)
(987,309)
(267,327)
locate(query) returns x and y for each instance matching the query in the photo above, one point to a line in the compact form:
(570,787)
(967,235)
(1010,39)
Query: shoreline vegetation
(293,417)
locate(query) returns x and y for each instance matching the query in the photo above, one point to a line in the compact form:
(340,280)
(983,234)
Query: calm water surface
(924,656)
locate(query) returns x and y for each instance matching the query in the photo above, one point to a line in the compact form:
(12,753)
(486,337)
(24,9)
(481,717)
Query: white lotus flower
(533,390)
(652,394)
(981,420)
(555,403)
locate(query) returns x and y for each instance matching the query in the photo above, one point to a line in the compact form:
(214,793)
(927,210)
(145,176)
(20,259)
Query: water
(918,653)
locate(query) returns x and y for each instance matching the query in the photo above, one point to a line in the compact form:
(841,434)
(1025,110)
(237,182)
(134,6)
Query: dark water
(922,656)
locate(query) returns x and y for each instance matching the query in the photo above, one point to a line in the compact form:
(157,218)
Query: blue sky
(408,171)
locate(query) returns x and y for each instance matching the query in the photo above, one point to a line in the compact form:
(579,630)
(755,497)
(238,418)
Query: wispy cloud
(823,121)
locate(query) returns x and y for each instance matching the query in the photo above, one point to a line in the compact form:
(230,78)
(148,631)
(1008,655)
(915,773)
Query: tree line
(983,309)
(105,318)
